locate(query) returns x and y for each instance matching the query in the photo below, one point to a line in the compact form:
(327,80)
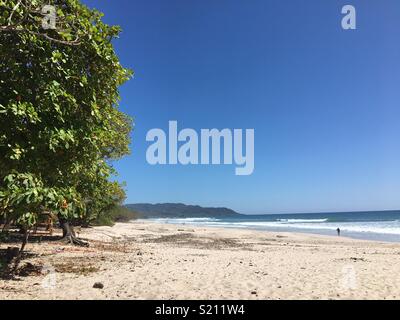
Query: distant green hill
(178,210)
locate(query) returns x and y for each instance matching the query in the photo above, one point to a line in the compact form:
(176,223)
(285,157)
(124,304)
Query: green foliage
(116,214)
(24,196)
(60,126)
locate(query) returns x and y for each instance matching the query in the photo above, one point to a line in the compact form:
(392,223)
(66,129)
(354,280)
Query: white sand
(143,260)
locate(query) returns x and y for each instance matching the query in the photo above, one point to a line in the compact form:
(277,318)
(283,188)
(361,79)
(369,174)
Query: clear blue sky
(324,102)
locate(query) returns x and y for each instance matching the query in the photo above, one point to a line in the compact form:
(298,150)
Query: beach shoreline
(149,260)
(293,232)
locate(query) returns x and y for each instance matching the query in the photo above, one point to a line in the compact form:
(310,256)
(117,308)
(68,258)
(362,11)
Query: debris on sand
(98,285)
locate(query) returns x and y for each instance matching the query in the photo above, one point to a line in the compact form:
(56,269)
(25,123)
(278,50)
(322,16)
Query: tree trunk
(69,234)
(18,256)
(6,225)
(25,240)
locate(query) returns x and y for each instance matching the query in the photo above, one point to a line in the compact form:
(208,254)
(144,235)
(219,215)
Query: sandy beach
(145,260)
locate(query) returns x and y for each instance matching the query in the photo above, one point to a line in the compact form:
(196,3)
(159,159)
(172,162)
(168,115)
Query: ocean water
(377,225)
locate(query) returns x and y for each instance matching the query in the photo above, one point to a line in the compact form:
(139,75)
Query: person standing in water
(338,231)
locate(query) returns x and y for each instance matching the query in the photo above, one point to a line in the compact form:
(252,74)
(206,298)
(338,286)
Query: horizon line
(260,214)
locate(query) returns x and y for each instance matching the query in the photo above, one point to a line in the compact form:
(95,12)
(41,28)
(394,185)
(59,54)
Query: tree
(60,126)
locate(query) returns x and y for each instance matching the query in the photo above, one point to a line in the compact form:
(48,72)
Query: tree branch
(18,27)
(12,12)
(75,42)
